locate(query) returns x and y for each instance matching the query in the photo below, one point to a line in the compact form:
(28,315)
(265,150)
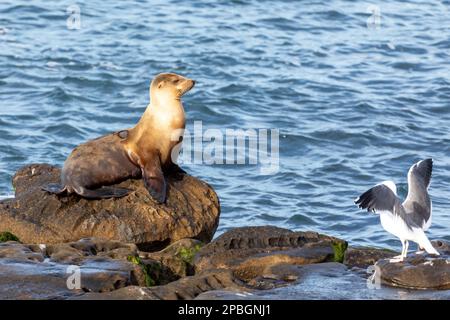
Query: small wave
(21,9)
(281,23)
(301,220)
(6,196)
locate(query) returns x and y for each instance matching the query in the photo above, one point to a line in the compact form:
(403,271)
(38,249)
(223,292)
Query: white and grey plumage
(408,220)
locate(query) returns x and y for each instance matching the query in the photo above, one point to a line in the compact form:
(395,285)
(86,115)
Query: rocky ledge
(243,263)
(241,260)
(266,257)
(35,216)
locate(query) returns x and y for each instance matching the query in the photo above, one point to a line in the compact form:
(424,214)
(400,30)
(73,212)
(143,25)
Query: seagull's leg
(400,257)
(405,249)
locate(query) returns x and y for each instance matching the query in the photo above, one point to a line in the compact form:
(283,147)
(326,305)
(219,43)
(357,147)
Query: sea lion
(143,151)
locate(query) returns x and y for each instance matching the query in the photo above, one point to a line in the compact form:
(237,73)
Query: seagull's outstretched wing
(418,202)
(382,197)
(419,175)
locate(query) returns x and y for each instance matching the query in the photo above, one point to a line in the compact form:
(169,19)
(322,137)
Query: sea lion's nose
(193,82)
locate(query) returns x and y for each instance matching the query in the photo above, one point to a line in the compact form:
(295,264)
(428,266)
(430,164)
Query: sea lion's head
(167,86)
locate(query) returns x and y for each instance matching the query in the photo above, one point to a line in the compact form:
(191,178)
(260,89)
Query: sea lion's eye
(176,81)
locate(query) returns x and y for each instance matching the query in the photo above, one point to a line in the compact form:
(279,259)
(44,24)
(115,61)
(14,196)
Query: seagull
(408,220)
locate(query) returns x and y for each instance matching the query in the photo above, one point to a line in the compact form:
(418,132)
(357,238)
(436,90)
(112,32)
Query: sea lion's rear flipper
(54,188)
(154,179)
(103,193)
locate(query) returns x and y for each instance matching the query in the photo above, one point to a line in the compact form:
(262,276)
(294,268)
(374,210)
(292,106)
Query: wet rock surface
(35,216)
(41,272)
(363,257)
(127,293)
(417,271)
(226,295)
(337,282)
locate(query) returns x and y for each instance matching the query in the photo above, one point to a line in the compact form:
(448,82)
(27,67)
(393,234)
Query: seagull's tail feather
(423,242)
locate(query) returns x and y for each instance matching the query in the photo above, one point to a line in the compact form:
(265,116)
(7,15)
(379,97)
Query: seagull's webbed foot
(401,257)
(395,259)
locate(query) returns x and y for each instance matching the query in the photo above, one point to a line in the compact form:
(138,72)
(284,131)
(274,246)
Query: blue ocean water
(358,92)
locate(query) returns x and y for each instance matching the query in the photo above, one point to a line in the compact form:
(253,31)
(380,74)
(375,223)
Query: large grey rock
(192,211)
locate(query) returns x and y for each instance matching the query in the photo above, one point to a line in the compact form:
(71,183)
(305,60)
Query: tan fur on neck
(167,116)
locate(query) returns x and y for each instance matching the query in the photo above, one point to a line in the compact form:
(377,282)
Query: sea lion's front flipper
(54,188)
(103,193)
(154,179)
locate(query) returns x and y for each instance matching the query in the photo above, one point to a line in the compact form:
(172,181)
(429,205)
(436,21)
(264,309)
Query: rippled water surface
(356,101)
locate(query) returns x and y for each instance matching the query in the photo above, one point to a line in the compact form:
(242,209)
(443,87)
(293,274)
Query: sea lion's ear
(154,179)
(161,84)
(123,134)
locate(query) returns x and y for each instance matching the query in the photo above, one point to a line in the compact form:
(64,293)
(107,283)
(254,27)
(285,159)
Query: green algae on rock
(176,260)
(187,254)
(339,249)
(149,282)
(8,236)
